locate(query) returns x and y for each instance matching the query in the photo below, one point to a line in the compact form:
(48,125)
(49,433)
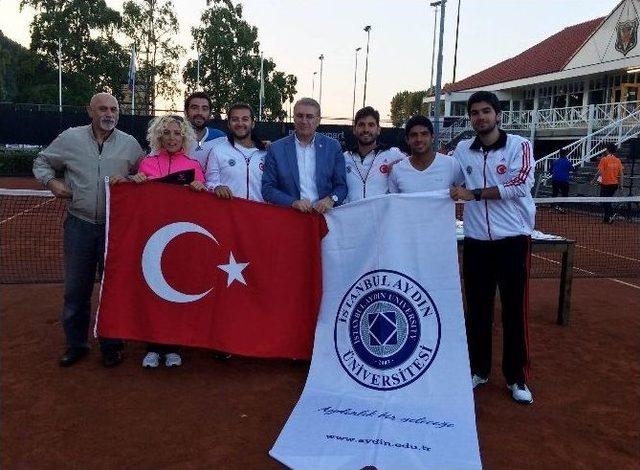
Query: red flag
(191,269)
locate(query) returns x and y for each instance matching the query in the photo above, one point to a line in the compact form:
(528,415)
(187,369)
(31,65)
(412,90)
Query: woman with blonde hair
(169,137)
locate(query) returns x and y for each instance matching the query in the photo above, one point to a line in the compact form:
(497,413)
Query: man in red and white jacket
(498,221)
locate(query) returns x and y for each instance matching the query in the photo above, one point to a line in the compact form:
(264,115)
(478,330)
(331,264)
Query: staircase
(583,154)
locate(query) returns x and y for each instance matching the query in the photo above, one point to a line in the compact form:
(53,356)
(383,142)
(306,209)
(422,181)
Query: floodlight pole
(59,75)
(355,81)
(320,91)
(436,114)
(366,66)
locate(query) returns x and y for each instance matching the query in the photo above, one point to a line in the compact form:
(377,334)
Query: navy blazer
(281,178)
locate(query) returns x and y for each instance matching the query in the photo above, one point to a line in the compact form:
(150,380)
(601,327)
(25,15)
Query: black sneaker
(72,355)
(112,357)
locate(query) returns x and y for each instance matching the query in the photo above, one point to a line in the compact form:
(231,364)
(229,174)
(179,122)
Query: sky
(295,32)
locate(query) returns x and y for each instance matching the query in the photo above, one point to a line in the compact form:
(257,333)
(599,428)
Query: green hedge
(17,162)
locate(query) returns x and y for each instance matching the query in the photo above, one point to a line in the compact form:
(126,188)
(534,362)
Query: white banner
(389,384)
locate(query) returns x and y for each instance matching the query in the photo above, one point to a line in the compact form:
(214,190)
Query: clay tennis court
(227,414)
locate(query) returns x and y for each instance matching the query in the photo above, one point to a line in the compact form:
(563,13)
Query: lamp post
(455,53)
(366,66)
(438,91)
(198,70)
(313,84)
(433,48)
(320,86)
(355,81)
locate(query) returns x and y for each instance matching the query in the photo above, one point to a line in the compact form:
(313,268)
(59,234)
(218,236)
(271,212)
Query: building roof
(548,56)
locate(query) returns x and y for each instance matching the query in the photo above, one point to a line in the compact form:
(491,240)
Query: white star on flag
(234,270)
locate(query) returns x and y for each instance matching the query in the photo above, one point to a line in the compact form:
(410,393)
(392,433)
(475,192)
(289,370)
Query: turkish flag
(191,269)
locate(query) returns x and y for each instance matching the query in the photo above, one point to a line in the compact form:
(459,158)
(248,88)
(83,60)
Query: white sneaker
(521,393)
(172,360)
(477,380)
(151,360)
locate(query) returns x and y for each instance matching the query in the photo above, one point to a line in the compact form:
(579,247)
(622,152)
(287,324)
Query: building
(553,84)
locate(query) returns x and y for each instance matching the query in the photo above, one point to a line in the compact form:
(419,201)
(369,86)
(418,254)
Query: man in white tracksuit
(368,164)
(236,163)
(498,220)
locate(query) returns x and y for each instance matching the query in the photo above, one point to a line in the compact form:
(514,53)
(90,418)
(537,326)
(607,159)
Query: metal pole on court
(313,84)
(198,71)
(433,48)
(366,66)
(436,114)
(59,75)
(320,92)
(355,81)
(455,53)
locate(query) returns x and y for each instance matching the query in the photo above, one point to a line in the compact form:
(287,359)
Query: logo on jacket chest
(501,169)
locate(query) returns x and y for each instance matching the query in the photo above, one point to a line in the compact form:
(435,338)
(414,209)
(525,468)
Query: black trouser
(607,190)
(505,264)
(561,187)
(162,348)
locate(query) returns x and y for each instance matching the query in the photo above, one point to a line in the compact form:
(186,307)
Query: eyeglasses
(308,117)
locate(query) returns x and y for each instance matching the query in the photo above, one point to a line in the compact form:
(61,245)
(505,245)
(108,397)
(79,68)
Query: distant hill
(23,76)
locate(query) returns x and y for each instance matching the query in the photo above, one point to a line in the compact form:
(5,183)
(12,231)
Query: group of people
(309,171)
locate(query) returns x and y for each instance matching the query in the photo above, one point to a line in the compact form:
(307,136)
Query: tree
(406,104)
(230,63)
(152,26)
(92,60)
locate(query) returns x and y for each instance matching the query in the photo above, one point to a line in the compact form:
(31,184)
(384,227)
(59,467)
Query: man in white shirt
(236,163)
(369,162)
(305,170)
(425,169)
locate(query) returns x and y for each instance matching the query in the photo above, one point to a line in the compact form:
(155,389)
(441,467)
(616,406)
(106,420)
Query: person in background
(197,110)
(561,174)
(610,174)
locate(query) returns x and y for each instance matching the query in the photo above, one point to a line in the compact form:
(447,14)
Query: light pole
(433,48)
(366,66)
(355,81)
(313,84)
(436,113)
(320,86)
(455,53)
(198,70)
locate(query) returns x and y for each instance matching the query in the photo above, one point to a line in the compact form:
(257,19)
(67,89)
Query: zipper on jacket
(486,202)
(100,147)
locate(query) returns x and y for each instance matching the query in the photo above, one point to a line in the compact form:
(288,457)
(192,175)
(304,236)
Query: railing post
(592,110)
(532,127)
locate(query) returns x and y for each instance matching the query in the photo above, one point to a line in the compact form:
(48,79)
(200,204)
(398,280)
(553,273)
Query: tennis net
(31,237)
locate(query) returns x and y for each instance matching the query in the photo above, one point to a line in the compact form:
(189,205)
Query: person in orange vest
(610,175)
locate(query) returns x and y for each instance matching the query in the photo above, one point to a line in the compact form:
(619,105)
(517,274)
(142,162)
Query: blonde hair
(160,123)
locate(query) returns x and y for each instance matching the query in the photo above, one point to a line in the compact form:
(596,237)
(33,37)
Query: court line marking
(8,219)
(628,284)
(609,253)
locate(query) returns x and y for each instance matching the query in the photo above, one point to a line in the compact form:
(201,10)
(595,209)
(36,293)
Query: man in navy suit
(305,170)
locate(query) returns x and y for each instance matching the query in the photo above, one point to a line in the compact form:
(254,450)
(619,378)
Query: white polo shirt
(370,176)
(236,167)
(306,156)
(443,173)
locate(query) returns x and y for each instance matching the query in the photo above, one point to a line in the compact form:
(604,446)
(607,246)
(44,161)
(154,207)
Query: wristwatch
(334,198)
(477,194)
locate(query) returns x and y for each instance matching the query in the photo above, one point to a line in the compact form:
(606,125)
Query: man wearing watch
(498,221)
(305,170)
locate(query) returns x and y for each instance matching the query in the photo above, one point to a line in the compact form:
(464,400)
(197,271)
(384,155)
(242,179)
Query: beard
(239,136)
(488,130)
(367,140)
(107,125)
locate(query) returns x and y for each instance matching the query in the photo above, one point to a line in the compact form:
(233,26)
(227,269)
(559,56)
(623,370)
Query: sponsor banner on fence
(389,384)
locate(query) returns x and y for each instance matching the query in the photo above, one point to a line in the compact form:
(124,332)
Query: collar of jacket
(498,144)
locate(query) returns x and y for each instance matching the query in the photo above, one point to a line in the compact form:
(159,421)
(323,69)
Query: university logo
(261,166)
(626,35)
(387,330)
(232,162)
(501,169)
(469,169)
(384,169)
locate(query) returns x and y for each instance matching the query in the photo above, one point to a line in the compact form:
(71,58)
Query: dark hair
(612,148)
(417,121)
(197,94)
(366,112)
(485,96)
(256,140)
(241,106)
